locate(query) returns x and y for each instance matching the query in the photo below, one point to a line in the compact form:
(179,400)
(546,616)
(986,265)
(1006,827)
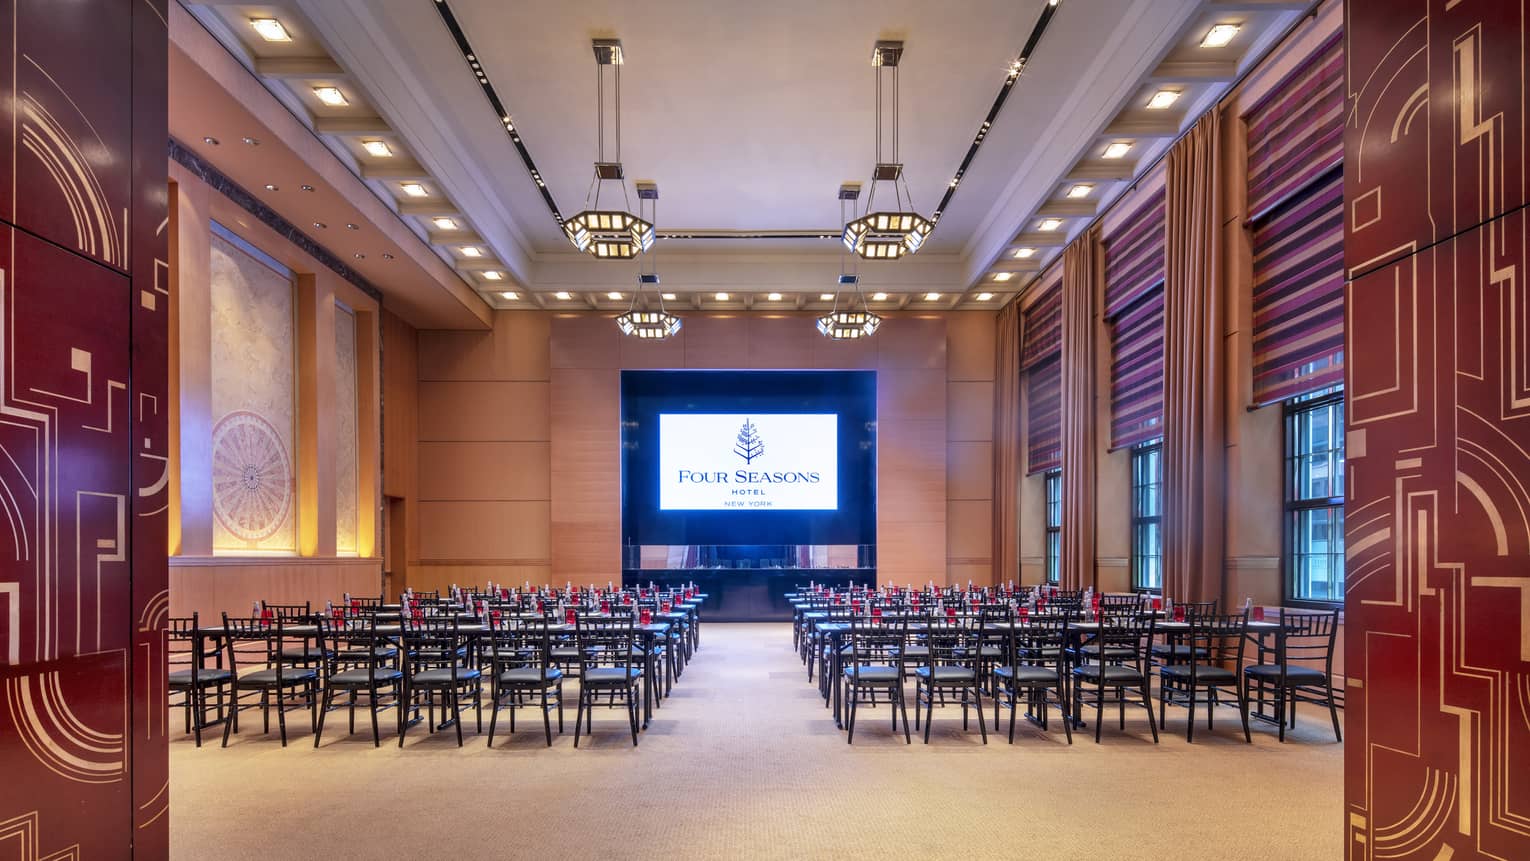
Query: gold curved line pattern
(1409,822)
(33,728)
(156,612)
(1426,826)
(158,486)
(1404,119)
(61,711)
(1511,483)
(41,134)
(17,519)
(1365,128)
(1495,520)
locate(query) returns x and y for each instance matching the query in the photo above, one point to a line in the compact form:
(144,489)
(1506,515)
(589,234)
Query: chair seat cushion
(873,674)
(569,653)
(916,651)
(529,676)
(304,653)
(1204,673)
(1027,675)
(948,674)
(610,675)
(360,678)
(363,654)
(182,678)
(1111,674)
(1295,674)
(289,676)
(443,676)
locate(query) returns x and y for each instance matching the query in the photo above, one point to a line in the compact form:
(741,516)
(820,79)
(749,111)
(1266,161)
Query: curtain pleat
(1083,264)
(1006,446)
(1194,460)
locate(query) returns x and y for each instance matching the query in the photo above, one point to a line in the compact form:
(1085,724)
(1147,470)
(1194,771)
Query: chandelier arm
(895,126)
(600,112)
(616,71)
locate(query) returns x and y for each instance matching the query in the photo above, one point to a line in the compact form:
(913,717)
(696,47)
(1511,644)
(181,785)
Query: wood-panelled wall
(519,453)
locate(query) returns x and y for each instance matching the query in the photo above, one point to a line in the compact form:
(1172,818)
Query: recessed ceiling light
(493,275)
(879,297)
(669,297)
(561,294)
(471,251)
(351,227)
(825,297)
(931,297)
(1162,99)
(319,224)
(210,140)
(249,141)
(1119,149)
(1024,253)
(414,189)
(444,223)
(722,297)
(330,96)
(1219,35)
(380,149)
(984,297)
(270,29)
(774,297)
(510,294)
(1080,190)
(306,187)
(613,295)
(387,256)
(1003,276)
(1050,224)
(360,256)
(272,187)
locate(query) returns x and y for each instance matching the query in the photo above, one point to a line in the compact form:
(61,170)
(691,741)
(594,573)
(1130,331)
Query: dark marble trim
(269,217)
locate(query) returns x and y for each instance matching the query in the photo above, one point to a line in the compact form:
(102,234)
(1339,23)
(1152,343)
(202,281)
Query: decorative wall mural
(253,402)
(252,476)
(347,489)
(1437,752)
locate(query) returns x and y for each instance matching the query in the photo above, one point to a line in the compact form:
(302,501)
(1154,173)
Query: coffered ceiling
(748,116)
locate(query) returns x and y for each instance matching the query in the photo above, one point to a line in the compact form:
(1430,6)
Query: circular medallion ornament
(252,476)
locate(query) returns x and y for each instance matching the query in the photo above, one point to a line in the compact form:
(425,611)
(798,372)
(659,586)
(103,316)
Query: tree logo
(749,445)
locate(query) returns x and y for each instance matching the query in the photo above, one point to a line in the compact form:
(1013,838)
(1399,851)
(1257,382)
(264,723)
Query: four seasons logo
(749,445)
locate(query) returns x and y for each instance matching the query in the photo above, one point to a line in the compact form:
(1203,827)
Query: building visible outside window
(1314,522)
(1054,524)
(1147,516)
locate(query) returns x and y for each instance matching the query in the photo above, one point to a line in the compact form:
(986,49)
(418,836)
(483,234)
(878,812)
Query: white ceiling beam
(1051,239)
(452,237)
(394,171)
(1067,209)
(1103,169)
(350,125)
(1170,71)
(1166,126)
(297,67)
(427,207)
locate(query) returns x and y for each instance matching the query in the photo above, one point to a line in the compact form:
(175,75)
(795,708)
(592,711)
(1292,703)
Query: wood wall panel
(483,411)
(777,343)
(489,531)
(716,341)
(969,470)
(969,410)
(211,586)
(485,471)
(1438,438)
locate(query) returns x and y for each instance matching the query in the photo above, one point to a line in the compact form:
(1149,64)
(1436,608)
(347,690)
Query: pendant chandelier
(609,234)
(849,324)
(644,323)
(887,234)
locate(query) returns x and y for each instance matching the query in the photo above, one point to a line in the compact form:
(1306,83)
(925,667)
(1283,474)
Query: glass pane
(1317,554)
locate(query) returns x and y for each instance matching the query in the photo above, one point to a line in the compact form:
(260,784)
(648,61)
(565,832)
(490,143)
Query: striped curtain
(1043,403)
(1040,359)
(1296,206)
(1134,308)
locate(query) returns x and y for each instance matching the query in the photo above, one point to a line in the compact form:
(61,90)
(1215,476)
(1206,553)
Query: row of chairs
(1044,662)
(428,661)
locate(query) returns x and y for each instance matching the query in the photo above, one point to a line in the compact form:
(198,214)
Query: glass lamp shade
(848,325)
(609,235)
(886,235)
(648,325)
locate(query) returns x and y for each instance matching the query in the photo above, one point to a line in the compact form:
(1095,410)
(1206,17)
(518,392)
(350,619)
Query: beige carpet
(744,762)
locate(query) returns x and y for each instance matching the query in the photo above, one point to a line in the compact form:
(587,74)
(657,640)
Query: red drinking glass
(605,607)
(569,616)
(1179,613)
(645,616)
(876,612)
(1025,613)
(1157,604)
(666,607)
(950,612)
(1258,614)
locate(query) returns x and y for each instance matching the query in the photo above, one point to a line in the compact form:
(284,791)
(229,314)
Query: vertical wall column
(1437,397)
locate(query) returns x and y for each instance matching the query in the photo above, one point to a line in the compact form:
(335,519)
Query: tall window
(1054,523)
(1147,516)
(1314,525)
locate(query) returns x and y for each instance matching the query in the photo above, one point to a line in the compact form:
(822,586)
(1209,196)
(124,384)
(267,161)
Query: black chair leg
(546,719)
(376,734)
(494,714)
(281,718)
(903,707)
(854,694)
(1333,713)
(1147,705)
(977,697)
(318,730)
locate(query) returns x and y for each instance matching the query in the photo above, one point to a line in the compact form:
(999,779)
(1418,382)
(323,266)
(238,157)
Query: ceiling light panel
(1117,149)
(1003,276)
(984,297)
(1080,190)
(331,96)
(414,189)
(1024,253)
(1162,99)
(1049,224)
(377,149)
(494,275)
(444,223)
(509,294)
(471,251)
(270,29)
(1220,35)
